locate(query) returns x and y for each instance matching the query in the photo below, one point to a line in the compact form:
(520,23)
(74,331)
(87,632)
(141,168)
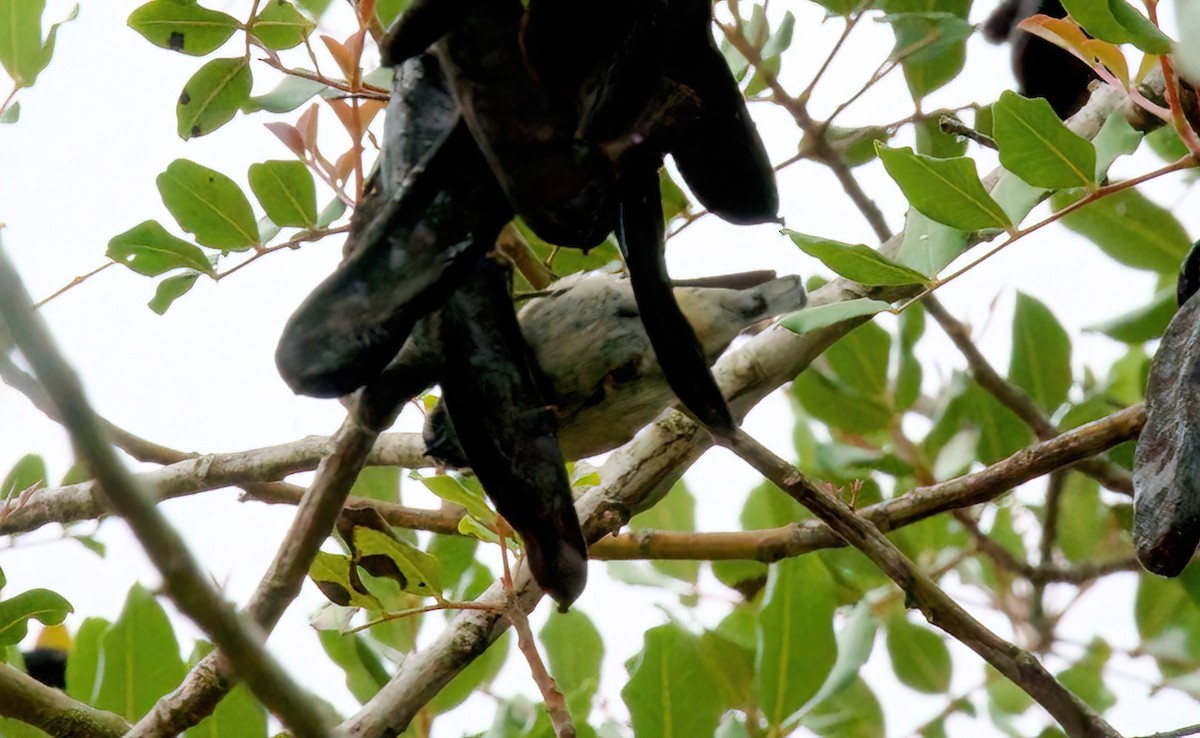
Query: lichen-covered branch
(246,469)
(24,698)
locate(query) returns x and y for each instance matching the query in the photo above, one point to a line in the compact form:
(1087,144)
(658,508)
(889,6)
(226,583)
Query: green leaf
(453,491)
(22,51)
(149,249)
(929,246)
(83,662)
(1117,22)
(364,670)
(378,483)
(931,140)
(387,10)
(334,575)
(837,404)
(1001,432)
(947,190)
(1142,324)
(767,506)
(11,114)
(1081,519)
(171,289)
(853,712)
(839,7)
(49,608)
(860,359)
(1037,147)
(796,613)
(140,658)
(418,568)
(930,40)
(675,511)
(213,96)
(1116,139)
(857,262)
(1006,696)
(455,555)
(855,641)
(28,473)
(478,673)
(907,386)
(286,191)
(919,656)
(1085,678)
(331,212)
(237,715)
(1130,228)
(670,691)
(280,26)
(574,651)
(1165,142)
(823,316)
(208,204)
(732,666)
(288,95)
(1041,354)
(316,8)
(183,26)
(926,37)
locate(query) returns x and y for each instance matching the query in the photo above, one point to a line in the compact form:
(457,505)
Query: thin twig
(552,696)
(73,283)
(1107,473)
(1075,716)
(184,580)
(292,243)
(213,677)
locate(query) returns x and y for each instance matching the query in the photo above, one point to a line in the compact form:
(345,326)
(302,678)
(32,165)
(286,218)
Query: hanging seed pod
(1166,467)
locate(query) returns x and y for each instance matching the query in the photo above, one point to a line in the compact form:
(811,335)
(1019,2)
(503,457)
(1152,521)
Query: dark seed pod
(1189,276)
(1166,466)
(1041,68)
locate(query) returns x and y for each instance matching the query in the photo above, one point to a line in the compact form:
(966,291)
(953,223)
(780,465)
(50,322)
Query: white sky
(80,168)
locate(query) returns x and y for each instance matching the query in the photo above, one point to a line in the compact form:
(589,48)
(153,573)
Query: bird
(600,367)
(1041,68)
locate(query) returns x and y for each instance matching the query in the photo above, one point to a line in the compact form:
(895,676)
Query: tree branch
(1076,718)
(210,680)
(184,580)
(24,698)
(640,473)
(247,469)
(1107,473)
(972,489)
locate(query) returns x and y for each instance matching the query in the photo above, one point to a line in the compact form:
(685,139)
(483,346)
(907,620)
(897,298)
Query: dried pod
(1166,467)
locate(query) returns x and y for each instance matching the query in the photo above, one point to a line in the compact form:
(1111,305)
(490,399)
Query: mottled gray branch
(24,698)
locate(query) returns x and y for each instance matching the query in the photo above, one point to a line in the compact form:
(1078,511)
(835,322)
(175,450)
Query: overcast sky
(80,167)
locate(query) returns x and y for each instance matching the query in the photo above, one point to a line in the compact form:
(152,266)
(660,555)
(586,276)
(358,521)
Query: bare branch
(1107,473)
(185,582)
(247,469)
(1075,716)
(212,678)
